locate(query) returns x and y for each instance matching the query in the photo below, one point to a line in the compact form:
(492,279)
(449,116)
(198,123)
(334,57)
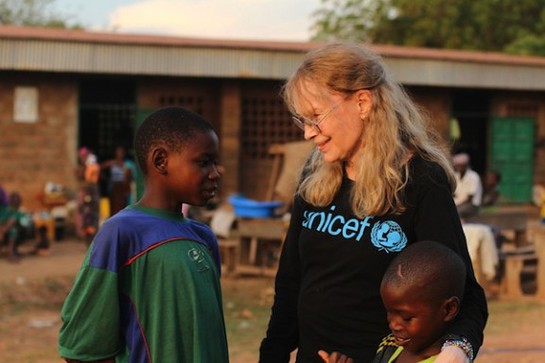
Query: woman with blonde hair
(379,178)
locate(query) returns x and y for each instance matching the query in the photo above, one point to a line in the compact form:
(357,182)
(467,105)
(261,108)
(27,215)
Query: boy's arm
(89,314)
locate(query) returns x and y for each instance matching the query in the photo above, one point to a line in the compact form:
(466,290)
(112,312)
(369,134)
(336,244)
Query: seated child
(422,291)
(12,226)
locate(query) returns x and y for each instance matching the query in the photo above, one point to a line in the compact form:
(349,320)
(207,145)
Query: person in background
(149,287)
(491,192)
(134,176)
(12,226)
(378,180)
(88,173)
(4,199)
(469,190)
(422,291)
(491,196)
(119,180)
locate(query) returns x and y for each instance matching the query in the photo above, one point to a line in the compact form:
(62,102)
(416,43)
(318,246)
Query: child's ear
(451,307)
(159,159)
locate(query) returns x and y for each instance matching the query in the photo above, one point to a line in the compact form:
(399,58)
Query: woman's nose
(310,132)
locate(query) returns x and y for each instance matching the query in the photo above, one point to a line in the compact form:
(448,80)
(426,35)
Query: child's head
(177,151)
(15,200)
(422,290)
(492,178)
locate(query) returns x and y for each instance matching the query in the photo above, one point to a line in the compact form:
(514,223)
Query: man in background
(469,190)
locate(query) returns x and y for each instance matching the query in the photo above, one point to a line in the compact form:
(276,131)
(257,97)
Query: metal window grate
(265,121)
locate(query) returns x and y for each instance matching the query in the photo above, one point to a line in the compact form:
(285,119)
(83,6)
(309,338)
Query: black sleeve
(436,219)
(282,333)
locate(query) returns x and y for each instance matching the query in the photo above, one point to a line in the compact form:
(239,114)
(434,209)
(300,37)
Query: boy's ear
(451,307)
(159,160)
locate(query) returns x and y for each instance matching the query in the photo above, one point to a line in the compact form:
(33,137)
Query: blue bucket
(250,208)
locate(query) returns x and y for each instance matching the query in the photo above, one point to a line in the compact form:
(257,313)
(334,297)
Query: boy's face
(193,171)
(416,321)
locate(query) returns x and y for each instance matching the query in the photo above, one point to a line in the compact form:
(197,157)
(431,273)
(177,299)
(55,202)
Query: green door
(512,154)
(141,115)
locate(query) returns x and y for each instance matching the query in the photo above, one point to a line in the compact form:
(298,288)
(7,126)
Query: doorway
(472,110)
(107,110)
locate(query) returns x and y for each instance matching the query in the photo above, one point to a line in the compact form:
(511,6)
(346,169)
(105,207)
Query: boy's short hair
(436,270)
(172,126)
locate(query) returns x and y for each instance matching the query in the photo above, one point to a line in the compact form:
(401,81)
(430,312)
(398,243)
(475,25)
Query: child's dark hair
(15,199)
(436,270)
(172,126)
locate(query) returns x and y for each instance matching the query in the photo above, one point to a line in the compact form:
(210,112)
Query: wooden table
(48,223)
(260,240)
(516,221)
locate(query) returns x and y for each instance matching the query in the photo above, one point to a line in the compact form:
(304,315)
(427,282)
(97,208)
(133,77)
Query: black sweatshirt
(327,285)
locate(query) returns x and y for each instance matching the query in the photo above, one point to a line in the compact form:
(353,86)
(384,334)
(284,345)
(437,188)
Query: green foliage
(32,13)
(527,45)
(515,26)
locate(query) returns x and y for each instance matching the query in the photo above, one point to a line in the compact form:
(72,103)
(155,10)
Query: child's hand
(334,357)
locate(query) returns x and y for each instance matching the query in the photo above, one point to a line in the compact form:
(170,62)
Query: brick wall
(32,154)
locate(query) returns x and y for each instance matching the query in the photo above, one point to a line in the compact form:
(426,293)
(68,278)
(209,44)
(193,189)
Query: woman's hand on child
(452,354)
(334,357)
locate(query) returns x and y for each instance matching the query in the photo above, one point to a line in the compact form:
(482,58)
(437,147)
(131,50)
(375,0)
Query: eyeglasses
(301,121)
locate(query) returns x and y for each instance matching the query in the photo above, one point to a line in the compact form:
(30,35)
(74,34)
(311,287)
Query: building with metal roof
(62,89)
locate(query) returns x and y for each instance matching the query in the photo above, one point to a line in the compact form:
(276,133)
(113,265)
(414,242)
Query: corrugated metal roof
(40,55)
(59,50)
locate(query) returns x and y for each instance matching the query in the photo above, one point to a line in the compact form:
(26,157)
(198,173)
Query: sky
(283,20)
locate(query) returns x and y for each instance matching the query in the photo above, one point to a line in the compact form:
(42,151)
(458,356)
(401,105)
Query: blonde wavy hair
(397,130)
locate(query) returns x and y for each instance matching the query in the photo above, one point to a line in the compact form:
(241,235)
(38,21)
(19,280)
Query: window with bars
(265,121)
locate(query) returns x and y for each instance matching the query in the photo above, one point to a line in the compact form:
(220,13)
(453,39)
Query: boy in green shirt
(149,288)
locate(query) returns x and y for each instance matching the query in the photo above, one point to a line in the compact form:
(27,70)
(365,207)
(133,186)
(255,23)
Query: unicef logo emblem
(388,236)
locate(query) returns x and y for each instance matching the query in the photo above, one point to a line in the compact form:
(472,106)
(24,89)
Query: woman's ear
(451,307)
(159,160)
(365,101)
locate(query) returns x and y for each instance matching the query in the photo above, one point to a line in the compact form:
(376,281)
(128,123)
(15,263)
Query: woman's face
(341,128)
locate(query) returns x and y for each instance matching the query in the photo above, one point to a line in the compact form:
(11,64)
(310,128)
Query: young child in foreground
(422,291)
(149,287)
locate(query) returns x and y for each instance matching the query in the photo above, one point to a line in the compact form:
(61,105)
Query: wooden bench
(518,263)
(524,259)
(525,262)
(230,252)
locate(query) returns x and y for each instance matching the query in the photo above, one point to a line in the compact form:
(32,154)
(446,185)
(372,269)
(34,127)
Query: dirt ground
(514,334)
